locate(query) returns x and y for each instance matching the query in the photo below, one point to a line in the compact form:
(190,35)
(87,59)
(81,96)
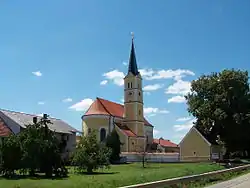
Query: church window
(131,85)
(102,134)
(128,85)
(139,93)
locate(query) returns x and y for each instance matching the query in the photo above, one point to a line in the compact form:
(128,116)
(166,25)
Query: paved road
(240,182)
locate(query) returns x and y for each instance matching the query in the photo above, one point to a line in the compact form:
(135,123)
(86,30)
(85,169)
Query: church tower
(133,96)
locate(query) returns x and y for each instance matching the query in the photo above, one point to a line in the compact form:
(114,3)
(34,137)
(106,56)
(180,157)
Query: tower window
(139,93)
(128,85)
(131,85)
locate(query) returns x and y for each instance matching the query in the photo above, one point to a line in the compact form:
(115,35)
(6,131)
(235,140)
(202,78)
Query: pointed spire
(132,60)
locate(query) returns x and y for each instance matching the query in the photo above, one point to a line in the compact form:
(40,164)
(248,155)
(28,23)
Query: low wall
(186,179)
(152,157)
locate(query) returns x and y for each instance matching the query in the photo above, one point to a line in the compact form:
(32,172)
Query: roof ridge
(12,111)
(104,106)
(109,101)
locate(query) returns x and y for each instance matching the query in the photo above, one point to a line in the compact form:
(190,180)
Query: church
(135,132)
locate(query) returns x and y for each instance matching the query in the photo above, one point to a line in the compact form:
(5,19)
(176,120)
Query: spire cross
(133,35)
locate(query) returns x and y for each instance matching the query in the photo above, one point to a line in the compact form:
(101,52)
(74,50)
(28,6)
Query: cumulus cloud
(67,100)
(179,87)
(183,119)
(37,73)
(177,99)
(115,76)
(41,103)
(152,87)
(185,126)
(151,110)
(104,82)
(177,74)
(83,105)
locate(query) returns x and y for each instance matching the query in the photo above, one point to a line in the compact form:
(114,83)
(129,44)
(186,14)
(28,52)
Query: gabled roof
(164,143)
(14,120)
(105,107)
(196,130)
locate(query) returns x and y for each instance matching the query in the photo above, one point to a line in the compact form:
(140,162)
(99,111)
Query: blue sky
(56,50)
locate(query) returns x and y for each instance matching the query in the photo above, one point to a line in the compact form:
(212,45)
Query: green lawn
(117,175)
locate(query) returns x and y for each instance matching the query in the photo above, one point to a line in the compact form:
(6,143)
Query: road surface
(239,182)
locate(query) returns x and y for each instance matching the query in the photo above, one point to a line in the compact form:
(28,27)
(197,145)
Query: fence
(152,157)
(186,179)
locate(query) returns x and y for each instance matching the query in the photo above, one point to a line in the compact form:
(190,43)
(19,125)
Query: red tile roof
(4,130)
(165,143)
(105,107)
(126,130)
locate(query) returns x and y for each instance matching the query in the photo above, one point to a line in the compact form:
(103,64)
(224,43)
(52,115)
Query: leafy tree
(34,148)
(11,154)
(113,142)
(91,154)
(221,104)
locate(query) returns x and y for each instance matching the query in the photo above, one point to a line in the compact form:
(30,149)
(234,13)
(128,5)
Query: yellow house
(195,147)
(135,132)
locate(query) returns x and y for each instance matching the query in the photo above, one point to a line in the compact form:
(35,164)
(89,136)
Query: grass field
(117,175)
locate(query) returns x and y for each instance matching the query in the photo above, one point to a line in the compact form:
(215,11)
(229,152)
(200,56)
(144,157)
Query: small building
(195,147)
(164,146)
(14,122)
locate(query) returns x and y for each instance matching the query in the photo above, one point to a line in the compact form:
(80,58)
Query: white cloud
(177,99)
(125,63)
(179,87)
(115,76)
(183,119)
(186,126)
(146,73)
(177,74)
(83,105)
(104,82)
(152,87)
(155,132)
(151,110)
(67,100)
(37,73)
(41,103)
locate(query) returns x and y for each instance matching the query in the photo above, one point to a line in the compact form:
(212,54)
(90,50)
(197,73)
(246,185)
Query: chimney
(45,116)
(35,120)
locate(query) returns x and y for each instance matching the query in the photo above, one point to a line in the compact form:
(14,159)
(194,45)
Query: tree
(113,142)
(221,104)
(91,154)
(35,148)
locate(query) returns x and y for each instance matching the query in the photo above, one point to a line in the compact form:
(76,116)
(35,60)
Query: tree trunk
(89,170)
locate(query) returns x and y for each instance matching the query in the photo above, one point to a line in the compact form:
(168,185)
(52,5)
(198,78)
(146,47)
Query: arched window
(102,134)
(131,85)
(128,85)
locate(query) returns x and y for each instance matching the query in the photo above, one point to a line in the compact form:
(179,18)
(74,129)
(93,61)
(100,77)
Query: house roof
(126,130)
(164,143)
(105,107)
(14,120)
